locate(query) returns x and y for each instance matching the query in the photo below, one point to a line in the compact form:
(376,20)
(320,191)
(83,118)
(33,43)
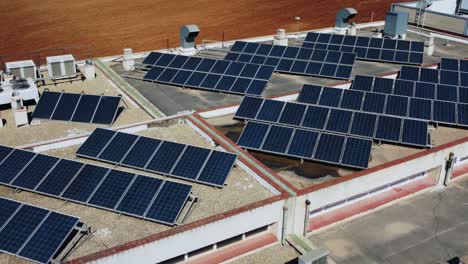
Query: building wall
(111,25)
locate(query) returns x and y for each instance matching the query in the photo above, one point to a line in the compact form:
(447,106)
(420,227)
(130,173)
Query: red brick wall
(111,25)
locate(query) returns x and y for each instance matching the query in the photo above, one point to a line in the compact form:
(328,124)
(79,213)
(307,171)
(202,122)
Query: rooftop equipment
(188,33)
(396,24)
(60,67)
(342,18)
(22,69)
(24,87)
(280,38)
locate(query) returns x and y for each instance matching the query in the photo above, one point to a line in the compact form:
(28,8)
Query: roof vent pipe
(188,34)
(342,18)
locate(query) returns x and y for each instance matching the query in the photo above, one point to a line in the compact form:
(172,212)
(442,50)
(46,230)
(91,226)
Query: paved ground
(428,228)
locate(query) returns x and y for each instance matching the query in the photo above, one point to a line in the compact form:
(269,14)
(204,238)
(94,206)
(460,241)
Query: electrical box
(22,69)
(396,23)
(61,66)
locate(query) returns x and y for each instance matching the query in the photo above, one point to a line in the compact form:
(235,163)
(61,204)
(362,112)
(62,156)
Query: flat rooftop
(110,229)
(47,130)
(171,99)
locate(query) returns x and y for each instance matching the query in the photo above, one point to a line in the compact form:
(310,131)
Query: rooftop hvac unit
(396,23)
(316,256)
(61,66)
(22,69)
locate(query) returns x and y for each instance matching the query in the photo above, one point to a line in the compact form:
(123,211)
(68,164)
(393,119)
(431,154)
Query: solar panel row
(98,109)
(208,74)
(141,196)
(177,160)
(32,232)
(432,91)
(381,127)
(302,61)
(434,76)
(393,105)
(454,64)
(306,144)
(376,49)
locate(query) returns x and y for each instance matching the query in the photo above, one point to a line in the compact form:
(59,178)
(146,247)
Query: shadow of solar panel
(397,105)
(352,99)
(111,189)
(252,135)
(166,157)
(66,107)
(58,179)
(48,238)
(363,124)
(217,168)
(315,117)
(374,102)
(168,204)
(13,164)
(420,108)
(415,133)
(388,128)
(95,143)
(191,162)
(271,110)
(7,209)
(46,105)
(292,114)
(86,181)
(277,139)
(116,149)
(309,94)
(357,153)
(303,143)
(339,120)
(17,231)
(139,196)
(35,172)
(86,107)
(249,107)
(329,148)
(444,112)
(330,97)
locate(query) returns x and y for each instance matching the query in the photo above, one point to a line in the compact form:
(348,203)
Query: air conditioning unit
(61,66)
(22,69)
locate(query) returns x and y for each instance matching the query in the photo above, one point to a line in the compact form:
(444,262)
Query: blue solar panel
(363,124)
(330,97)
(191,162)
(111,189)
(425,90)
(35,172)
(48,238)
(388,128)
(428,75)
(463,95)
(449,77)
(315,117)
(270,110)
(420,108)
(444,112)
(252,135)
(86,107)
(447,93)
(95,142)
(152,58)
(217,168)
(309,94)
(374,102)
(403,87)
(85,183)
(4,151)
(397,105)
(118,147)
(339,120)
(166,157)
(362,83)
(249,107)
(59,177)
(329,148)
(303,143)
(46,108)
(14,164)
(277,139)
(414,132)
(352,100)
(140,195)
(409,73)
(141,152)
(462,114)
(357,152)
(292,114)
(383,85)
(7,209)
(66,106)
(166,207)
(449,64)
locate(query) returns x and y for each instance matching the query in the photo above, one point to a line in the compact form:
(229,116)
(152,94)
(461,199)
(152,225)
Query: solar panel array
(169,158)
(454,64)
(418,89)
(32,232)
(117,191)
(449,77)
(97,109)
(343,121)
(207,74)
(307,144)
(366,48)
(302,61)
(441,112)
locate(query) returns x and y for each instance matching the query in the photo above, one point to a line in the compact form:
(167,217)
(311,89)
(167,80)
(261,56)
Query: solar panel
(306,144)
(97,186)
(368,48)
(31,232)
(302,61)
(154,155)
(414,132)
(208,74)
(451,64)
(324,118)
(389,128)
(63,106)
(437,76)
